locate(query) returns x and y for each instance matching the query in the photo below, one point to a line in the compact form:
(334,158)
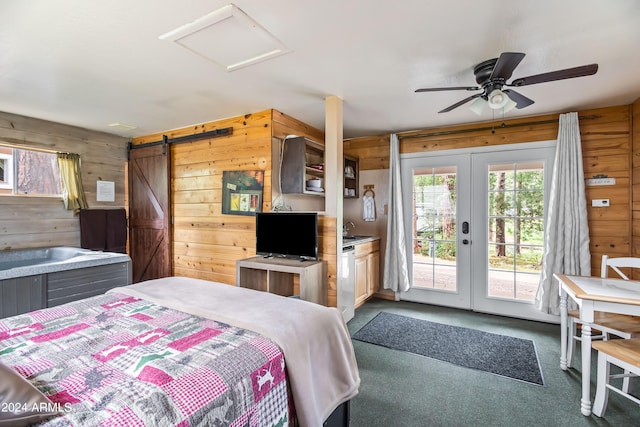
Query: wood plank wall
(284,125)
(30,222)
(206,243)
(606,147)
(635,185)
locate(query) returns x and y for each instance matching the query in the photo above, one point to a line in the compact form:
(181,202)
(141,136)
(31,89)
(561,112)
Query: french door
(437,200)
(475,228)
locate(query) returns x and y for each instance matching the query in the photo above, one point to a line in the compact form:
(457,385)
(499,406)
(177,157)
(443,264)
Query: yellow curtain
(72,191)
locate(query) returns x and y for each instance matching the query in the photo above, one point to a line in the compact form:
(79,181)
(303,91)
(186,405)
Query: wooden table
(593,294)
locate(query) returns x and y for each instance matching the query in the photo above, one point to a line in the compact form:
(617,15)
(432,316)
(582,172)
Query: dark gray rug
(498,354)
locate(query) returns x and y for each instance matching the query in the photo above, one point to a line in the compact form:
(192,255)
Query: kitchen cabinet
(351,173)
(367,268)
(302,160)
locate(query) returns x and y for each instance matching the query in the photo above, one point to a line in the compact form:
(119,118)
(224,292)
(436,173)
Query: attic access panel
(227,37)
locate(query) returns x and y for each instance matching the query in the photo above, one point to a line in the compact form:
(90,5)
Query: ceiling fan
(492,76)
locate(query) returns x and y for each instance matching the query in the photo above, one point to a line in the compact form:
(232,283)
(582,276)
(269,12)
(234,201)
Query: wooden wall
(606,149)
(635,186)
(28,221)
(284,125)
(606,146)
(206,243)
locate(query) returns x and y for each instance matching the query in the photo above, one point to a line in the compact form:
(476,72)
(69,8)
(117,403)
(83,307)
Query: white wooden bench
(624,353)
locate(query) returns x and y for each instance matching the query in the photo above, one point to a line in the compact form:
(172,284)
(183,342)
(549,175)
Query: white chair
(620,325)
(622,353)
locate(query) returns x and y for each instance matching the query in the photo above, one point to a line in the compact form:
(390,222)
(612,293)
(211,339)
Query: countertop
(357,239)
(31,262)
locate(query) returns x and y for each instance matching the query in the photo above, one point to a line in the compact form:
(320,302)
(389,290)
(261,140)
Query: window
(6,171)
(28,172)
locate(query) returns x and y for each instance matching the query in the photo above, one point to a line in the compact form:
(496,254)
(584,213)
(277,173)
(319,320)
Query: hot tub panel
(40,278)
(22,295)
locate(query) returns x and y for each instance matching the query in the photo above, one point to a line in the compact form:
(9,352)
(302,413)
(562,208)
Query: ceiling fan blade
(457,104)
(569,73)
(520,100)
(437,89)
(507,62)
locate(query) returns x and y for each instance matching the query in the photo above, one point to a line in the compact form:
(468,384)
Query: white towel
(368,208)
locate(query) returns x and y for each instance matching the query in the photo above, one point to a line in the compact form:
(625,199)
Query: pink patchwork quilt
(116,360)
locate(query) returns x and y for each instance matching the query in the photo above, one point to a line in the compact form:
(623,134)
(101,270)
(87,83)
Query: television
(287,235)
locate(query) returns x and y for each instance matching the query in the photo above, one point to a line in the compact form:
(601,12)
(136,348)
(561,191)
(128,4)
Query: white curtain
(396,274)
(566,247)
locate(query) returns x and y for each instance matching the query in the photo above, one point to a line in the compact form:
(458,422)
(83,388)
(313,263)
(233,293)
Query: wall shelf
(302,160)
(351,172)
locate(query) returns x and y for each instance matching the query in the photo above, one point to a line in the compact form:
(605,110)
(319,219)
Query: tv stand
(278,276)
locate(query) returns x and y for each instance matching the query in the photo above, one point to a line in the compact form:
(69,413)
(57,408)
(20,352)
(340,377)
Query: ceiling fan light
(477,106)
(509,106)
(497,99)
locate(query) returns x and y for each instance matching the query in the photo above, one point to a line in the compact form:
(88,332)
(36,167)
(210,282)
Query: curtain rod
(492,128)
(6,143)
(180,139)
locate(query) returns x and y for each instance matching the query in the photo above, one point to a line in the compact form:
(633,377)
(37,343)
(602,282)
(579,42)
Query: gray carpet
(498,354)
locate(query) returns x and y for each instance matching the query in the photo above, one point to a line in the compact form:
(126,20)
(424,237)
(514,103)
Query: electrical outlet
(600,203)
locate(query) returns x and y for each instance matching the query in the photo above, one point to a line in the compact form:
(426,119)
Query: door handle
(465,228)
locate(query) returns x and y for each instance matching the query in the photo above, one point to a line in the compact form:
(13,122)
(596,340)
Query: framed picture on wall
(242,192)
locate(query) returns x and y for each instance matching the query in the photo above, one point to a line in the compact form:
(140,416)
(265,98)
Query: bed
(177,351)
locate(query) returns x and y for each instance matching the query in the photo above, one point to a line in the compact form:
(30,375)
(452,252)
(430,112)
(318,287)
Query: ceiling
(100,62)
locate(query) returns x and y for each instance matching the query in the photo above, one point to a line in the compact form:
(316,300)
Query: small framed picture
(242,192)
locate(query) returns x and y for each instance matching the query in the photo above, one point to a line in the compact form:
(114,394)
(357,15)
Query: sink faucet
(345,227)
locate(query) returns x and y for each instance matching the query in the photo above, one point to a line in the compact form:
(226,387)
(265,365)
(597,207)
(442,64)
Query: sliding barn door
(149,212)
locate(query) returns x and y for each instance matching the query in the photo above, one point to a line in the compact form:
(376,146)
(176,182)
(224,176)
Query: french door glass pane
(434,228)
(516,229)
